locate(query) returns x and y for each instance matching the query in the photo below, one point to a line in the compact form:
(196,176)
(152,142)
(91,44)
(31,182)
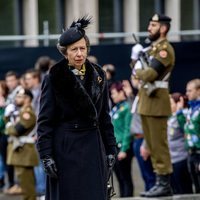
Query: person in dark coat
(75,134)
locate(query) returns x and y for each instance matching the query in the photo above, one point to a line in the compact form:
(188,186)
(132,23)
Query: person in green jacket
(191,126)
(3,138)
(121,119)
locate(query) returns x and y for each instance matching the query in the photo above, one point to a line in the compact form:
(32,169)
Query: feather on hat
(75,32)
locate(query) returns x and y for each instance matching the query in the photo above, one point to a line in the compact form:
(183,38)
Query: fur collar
(69,88)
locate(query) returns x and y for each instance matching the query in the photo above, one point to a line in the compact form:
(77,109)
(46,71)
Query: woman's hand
(121,155)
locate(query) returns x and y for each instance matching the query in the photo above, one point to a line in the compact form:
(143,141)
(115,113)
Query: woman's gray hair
(63,49)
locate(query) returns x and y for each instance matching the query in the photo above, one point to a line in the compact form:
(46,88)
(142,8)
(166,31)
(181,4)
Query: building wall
(135,16)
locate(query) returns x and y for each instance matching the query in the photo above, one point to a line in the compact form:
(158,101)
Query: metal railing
(46,37)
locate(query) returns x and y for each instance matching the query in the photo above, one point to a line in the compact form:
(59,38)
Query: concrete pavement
(138,187)
(181,197)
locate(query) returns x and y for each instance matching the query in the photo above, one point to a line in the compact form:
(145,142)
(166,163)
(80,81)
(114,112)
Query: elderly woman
(75,134)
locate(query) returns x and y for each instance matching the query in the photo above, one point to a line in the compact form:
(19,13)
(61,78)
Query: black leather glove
(50,166)
(111,160)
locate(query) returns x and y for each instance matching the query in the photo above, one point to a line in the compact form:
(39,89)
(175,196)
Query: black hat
(160,18)
(27,92)
(75,32)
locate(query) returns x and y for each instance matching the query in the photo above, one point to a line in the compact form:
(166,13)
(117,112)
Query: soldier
(12,82)
(154,104)
(21,148)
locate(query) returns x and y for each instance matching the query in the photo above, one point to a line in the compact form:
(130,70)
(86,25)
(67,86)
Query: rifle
(143,58)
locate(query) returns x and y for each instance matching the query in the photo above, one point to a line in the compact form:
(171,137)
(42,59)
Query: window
(7,20)
(106,18)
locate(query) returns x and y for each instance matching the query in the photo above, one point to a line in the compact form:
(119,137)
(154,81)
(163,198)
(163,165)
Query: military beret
(75,32)
(25,92)
(160,18)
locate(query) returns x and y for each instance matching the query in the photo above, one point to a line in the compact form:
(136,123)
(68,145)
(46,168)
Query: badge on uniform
(121,108)
(163,54)
(26,116)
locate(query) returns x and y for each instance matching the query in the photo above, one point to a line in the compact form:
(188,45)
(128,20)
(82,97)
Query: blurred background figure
(12,82)
(21,151)
(180,179)
(10,114)
(121,119)
(110,73)
(43,64)
(92,59)
(3,137)
(192,128)
(22,81)
(33,83)
(110,76)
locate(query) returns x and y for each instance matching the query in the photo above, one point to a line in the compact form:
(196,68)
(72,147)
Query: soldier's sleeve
(157,65)
(26,122)
(146,75)
(10,130)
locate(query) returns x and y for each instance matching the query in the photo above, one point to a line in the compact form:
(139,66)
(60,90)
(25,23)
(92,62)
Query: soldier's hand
(136,49)
(138,65)
(50,166)
(10,108)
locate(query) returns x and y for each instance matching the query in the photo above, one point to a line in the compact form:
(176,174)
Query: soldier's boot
(144,193)
(162,187)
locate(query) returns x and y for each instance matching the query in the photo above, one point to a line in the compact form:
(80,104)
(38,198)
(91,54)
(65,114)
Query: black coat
(74,127)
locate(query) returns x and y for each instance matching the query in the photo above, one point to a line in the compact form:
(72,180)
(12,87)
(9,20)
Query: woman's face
(77,53)
(117,96)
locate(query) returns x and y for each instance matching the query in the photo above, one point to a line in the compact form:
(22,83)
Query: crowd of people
(69,120)
(183,144)
(163,128)
(19,105)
